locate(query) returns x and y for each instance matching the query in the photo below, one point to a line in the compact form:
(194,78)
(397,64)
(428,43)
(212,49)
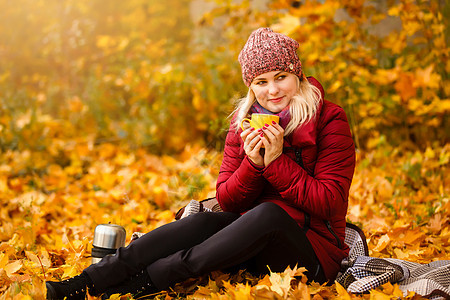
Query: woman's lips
(276,100)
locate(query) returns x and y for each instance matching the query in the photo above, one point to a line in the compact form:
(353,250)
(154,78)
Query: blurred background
(163,74)
(116,111)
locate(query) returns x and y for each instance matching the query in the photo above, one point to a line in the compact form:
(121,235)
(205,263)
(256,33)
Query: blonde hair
(302,108)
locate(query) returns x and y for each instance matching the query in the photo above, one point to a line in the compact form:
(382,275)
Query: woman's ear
(251,94)
(299,83)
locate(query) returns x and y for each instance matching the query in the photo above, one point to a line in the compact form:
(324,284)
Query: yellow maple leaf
(4,279)
(239,291)
(396,291)
(280,283)
(400,254)
(69,271)
(342,292)
(377,295)
(3,260)
(115,297)
(382,243)
(426,78)
(13,267)
(33,258)
(202,292)
(303,292)
(243,292)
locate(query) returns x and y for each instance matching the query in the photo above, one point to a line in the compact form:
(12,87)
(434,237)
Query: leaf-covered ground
(52,201)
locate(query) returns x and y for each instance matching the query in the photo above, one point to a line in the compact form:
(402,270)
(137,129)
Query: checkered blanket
(194,207)
(361,273)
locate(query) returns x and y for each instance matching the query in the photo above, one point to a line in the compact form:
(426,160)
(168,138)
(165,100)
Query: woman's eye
(260,82)
(281,77)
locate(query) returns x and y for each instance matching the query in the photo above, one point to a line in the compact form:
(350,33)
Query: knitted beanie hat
(267,51)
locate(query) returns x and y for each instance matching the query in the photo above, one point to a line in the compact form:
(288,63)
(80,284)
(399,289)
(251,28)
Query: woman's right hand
(252,145)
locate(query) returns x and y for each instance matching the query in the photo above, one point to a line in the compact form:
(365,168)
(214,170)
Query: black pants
(265,236)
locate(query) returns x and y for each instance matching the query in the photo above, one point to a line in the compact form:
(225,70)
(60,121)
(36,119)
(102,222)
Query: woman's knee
(268,213)
(199,219)
(210,220)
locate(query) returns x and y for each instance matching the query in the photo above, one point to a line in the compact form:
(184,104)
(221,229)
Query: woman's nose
(273,89)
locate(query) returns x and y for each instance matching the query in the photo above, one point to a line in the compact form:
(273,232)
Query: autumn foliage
(116,111)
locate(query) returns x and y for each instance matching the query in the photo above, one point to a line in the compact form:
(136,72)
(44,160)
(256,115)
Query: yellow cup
(259,120)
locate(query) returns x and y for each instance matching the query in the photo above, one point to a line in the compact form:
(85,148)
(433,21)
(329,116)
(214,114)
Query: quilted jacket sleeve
(324,194)
(239,182)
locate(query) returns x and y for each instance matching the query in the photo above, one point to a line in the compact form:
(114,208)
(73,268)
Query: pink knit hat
(267,51)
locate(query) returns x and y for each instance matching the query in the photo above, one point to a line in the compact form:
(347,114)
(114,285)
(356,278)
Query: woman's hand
(273,142)
(252,145)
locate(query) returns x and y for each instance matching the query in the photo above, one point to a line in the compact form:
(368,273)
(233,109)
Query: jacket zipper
(299,161)
(298,155)
(330,229)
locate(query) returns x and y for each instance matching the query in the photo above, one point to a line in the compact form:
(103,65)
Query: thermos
(107,239)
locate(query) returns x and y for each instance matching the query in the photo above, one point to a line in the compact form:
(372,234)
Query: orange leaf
(412,236)
(404,86)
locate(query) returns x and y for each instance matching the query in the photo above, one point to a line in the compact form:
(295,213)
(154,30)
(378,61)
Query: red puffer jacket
(310,180)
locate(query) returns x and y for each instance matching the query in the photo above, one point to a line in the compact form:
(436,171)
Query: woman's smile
(276,100)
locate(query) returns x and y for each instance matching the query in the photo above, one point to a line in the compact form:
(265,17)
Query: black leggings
(266,236)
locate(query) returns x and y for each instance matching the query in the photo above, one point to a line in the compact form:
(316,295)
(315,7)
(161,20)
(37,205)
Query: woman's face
(274,90)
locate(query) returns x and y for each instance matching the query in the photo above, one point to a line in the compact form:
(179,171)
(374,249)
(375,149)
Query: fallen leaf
(382,243)
(343,294)
(13,267)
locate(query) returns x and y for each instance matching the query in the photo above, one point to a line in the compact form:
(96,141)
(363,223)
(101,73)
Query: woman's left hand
(273,142)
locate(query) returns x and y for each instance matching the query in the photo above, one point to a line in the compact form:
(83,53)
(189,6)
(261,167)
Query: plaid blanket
(194,207)
(361,273)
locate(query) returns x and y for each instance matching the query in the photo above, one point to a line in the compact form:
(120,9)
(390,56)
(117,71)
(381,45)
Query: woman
(283,188)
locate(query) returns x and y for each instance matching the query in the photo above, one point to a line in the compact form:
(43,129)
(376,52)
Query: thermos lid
(109,236)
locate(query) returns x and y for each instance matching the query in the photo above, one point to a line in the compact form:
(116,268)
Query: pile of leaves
(399,198)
